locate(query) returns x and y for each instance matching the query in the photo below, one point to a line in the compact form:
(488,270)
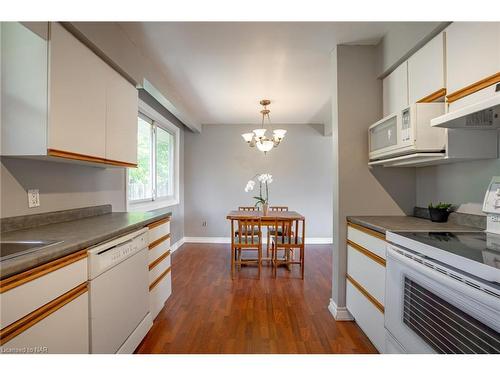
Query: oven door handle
(478,295)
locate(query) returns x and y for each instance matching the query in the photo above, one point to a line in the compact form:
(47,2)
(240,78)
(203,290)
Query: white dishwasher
(119,294)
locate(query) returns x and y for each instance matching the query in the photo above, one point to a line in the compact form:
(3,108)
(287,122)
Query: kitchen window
(154,183)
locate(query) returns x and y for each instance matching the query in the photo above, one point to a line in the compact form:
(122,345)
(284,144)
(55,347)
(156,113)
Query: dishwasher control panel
(107,255)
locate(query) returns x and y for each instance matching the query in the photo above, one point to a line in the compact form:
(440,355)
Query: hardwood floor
(210,313)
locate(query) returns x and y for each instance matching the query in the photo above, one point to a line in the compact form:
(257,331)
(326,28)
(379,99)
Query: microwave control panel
(405,125)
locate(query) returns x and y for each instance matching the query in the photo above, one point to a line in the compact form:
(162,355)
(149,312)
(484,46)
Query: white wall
(359,190)
(218,164)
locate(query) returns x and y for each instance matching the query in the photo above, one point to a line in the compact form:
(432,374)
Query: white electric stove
(443,288)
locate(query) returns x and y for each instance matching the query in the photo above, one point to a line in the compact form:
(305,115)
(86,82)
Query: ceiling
(222,70)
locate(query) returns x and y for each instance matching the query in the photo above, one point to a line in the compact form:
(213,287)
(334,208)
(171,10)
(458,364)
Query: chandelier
(258,136)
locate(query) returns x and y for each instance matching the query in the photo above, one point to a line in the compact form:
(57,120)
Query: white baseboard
(339,313)
(178,244)
(309,241)
(207,239)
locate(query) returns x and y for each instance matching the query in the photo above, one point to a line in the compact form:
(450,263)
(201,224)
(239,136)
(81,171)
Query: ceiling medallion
(258,136)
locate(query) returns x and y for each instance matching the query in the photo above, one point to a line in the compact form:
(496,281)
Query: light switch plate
(33,198)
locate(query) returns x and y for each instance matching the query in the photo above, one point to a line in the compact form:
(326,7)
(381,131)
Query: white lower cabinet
(160,275)
(46,309)
(367,316)
(365,284)
(159,294)
(367,272)
(63,331)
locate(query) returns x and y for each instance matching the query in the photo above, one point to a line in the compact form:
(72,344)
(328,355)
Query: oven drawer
(367,316)
(369,273)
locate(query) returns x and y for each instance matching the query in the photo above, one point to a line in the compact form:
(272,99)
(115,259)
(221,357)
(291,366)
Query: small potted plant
(439,212)
(263,179)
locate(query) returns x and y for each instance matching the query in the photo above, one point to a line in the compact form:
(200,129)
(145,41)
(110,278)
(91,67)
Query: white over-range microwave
(407,132)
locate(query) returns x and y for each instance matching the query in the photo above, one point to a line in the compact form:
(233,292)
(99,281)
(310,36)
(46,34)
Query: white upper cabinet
(60,100)
(395,90)
(426,70)
(472,53)
(121,119)
(77,116)
(23,90)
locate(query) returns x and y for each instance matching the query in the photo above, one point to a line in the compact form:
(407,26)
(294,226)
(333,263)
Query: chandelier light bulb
(265,146)
(279,133)
(247,137)
(260,133)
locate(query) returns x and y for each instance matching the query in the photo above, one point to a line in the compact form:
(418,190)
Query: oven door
(430,311)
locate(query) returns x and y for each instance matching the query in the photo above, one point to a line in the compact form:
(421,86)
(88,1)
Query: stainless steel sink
(12,249)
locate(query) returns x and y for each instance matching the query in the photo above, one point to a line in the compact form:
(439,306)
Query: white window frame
(162,202)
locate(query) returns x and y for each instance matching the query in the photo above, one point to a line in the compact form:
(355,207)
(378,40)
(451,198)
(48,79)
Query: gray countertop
(76,235)
(383,224)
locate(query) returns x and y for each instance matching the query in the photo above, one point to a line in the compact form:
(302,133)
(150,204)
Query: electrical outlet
(204,223)
(33,198)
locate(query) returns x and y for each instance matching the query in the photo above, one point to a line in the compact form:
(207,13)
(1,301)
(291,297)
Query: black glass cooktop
(477,246)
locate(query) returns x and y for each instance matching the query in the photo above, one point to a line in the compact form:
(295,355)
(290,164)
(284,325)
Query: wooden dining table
(266,220)
(270,217)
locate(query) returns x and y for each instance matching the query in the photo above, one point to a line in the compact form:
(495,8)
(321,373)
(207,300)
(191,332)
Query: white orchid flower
(250,186)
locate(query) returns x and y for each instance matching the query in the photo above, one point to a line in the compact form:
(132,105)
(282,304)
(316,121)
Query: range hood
(484,114)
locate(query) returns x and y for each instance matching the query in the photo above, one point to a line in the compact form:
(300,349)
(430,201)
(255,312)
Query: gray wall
(463,184)
(219,164)
(62,186)
(357,189)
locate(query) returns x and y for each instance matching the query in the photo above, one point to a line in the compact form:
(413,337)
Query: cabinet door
(65,330)
(77,107)
(24,90)
(426,70)
(472,53)
(121,119)
(395,90)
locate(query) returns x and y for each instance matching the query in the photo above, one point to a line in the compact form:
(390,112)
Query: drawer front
(158,269)
(158,231)
(27,297)
(374,243)
(157,251)
(159,294)
(367,272)
(367,316)
(66,330)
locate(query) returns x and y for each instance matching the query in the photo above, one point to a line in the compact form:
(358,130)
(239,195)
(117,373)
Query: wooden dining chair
(248,208)
(291,238)
(246,235)
(270,228)
(278,208)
